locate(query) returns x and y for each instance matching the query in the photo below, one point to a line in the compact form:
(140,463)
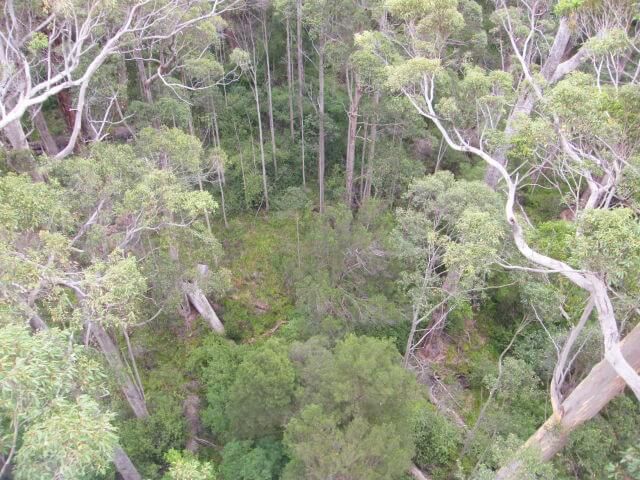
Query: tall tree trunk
(290,78)
(112,354)
(261,139)
(269,95)
(592,394)
(355,93)
(321,134)
(300,62)
(373,136)
(48,143)
(145,87)
(363,160)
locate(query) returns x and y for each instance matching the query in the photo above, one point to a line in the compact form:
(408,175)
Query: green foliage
(46,400)
(216,362)
(359,450)
(436,439)
(249,396)
(261,396)
(184,466)
(242,460)
(589,449)
(359,401)
(116,291)
(146,440)
(608,241)
(628,468)
(74,440)
(519,407)
(25,205)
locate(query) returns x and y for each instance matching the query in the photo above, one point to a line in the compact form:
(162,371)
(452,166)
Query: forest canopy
(319,239)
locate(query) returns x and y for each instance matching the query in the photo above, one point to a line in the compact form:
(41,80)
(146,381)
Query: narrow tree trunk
(48,143)
(223,205)
(321,134)
(244,179)
(592,394)
(290,78)
(363,161)
(269,95)
(145,87)
(373,135)
(261,138)
(300,61)
(112,354)
(355,94)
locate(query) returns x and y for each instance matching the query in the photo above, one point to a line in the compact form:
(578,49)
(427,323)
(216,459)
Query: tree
(52,424)
(325,20)
(68,31)
(448,236)
(244,461)
(248,398)
(420,78)
(248,65)
(358,402)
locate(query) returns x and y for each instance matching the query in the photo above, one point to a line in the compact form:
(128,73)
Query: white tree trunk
(591,395)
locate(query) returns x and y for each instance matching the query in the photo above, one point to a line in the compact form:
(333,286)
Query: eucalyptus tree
(59,45)
(449,236)
(52,424)
(248,65)
(428,79)
(137,227)
(328,22)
